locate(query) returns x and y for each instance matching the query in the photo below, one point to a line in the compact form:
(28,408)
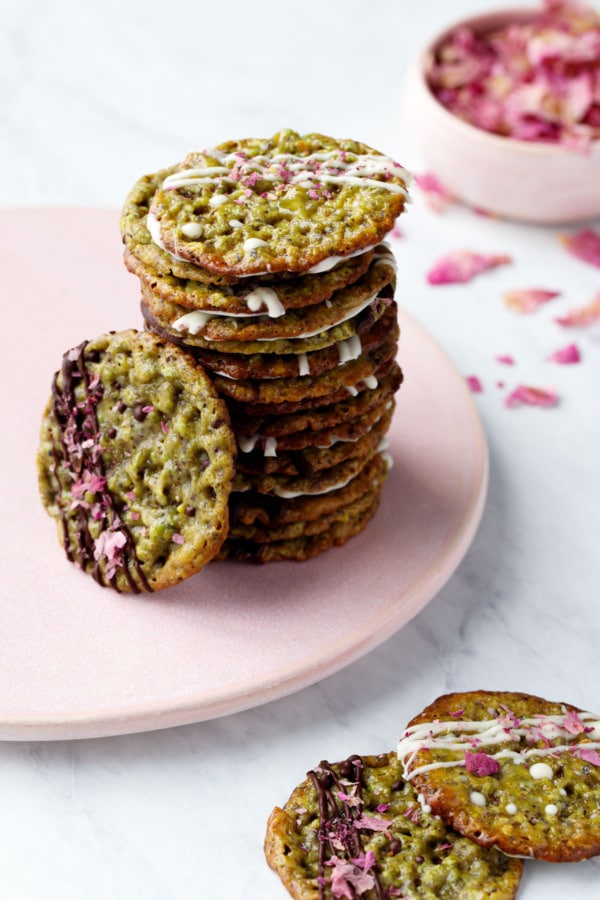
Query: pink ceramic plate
(77,660)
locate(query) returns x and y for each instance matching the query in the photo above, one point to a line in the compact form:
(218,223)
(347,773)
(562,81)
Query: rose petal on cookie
(481,764)
(347,880)
(566,355)
(573,724)
(461,266)
(590,756)
(526,395)
(474,384)
(371,823)
(584,244)
(582,316)
(527,300)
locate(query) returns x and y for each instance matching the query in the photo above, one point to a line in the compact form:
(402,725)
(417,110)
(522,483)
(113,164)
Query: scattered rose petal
(529,299)
(147,409)
(481,764)
(474,384)
(525,395)
(397,232)
(566,355)
(435,193)
(581,317)
(463,265)
(177,539)
(584,244)
(590,756)
(505,359)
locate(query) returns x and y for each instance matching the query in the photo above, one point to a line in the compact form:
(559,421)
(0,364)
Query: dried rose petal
(474,384)
(481,764)
(533,81)
(177,539)
(525,395)
(590,756)
(371,823)
(582,316)
(573,724)
(463,265)
(435,193)
(584,244)
(527,300)
(566,355)
(505,359)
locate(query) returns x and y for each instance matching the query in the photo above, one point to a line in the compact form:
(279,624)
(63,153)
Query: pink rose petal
(463,265)
(177,539)
(590,756)
(533,81)
(584,244)
(525,395)
(566,355)
(435,193)
(581,317)
(474,384)
(481,764)
(371,823)
(573,724)
(505,359)
(527,300)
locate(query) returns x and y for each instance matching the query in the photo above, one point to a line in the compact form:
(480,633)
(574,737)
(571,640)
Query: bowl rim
(490,19)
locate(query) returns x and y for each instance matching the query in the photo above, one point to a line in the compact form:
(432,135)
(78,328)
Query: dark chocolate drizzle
(78,450)
(337,817)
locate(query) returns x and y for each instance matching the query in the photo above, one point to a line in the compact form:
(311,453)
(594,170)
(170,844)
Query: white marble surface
(92,95)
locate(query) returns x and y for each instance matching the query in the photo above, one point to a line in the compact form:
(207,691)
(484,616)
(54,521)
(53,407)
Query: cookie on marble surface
(136,461)
(289,203)
(357,829)
(510,770)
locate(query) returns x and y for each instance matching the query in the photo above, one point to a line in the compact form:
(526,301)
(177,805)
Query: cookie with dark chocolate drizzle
(136,462)
(356,829)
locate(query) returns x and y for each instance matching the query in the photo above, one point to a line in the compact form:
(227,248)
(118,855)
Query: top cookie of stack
(263,257)
(262,207)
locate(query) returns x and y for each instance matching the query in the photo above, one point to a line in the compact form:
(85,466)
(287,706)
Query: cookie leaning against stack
(136,461)
(264,258)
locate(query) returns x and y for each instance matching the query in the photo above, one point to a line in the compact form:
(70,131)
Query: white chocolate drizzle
(463,735)
(303,365)
(311,171)
(265,298)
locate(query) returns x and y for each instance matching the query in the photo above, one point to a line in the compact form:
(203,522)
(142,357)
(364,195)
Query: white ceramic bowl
(527,181)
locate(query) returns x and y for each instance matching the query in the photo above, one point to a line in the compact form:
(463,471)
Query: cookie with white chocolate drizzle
(357,829)
(290,203)
(510,770)
(136,462)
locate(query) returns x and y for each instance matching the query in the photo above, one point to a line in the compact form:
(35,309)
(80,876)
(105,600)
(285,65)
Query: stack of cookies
(265,259)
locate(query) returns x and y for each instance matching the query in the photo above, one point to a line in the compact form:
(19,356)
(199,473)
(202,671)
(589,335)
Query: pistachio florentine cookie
(510,770)
(290,203)
(136,461)
(358,829)
(264,259)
